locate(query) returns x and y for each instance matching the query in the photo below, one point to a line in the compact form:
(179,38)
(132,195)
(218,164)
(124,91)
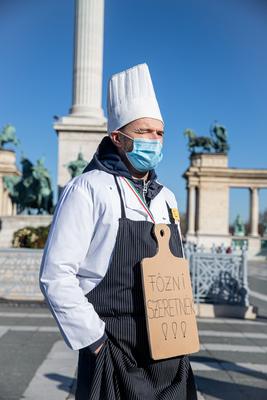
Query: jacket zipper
(145,190)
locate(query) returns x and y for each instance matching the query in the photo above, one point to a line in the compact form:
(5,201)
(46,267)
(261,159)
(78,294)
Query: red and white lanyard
(139,197)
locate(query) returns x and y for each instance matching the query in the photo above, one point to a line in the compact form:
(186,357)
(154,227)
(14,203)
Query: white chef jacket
(79,248)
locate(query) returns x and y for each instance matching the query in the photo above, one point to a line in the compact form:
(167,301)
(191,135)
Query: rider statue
(32,190)
(217,142)
(8,135)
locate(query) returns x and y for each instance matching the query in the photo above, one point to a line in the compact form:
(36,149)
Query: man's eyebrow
(148,130)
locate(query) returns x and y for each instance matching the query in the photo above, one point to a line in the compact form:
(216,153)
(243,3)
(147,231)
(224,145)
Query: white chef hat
(131,96)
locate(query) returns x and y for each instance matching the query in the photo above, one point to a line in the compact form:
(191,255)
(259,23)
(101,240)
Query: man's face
(146,128)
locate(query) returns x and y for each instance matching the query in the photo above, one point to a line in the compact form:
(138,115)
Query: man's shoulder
(91,180)
(169,196)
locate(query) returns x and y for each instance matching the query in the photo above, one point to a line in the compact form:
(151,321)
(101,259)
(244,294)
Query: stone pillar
(191,209)
(254,240)
(88,59)
(85,126)
(254,211)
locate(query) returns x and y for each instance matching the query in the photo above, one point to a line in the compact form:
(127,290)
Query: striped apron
(123,368)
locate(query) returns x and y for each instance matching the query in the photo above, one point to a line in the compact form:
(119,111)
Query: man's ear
(115,137)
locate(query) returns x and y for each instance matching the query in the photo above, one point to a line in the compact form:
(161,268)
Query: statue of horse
(204,142)
(8,135)
(32,190)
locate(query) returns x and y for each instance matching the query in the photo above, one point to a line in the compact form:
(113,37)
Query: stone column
(85,126)
(88,59)
(254,211)
(191,209)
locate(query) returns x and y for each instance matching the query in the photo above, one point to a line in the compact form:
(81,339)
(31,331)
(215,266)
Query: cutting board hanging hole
(162,234)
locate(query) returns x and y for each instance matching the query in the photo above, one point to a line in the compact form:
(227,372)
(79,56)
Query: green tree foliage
(30,237)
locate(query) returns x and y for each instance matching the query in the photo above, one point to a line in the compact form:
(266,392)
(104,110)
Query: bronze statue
(220,143)
(77,166)
(8,135)
(197,141)
(33,190)
(239,227)
(217,141)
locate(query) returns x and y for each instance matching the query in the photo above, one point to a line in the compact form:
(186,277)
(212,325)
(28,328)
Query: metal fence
(218,276)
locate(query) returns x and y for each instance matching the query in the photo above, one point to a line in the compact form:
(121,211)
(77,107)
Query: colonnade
(193,210)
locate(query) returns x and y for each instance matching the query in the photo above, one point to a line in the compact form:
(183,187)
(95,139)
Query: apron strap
(123,214)
(172,220)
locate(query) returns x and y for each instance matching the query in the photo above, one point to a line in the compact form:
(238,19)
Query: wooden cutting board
(169,304)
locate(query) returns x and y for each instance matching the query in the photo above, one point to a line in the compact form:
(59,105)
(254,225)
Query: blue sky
(208,61)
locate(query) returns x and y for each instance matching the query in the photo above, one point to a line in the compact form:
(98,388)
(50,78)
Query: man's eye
(141,131)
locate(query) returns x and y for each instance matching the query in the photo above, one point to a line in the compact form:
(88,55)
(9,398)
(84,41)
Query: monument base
(225,311)
(254,247)
(19,275)
(76,134)
(10,224)
(207,240)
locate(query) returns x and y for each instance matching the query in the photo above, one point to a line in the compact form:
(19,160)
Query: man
(101,230)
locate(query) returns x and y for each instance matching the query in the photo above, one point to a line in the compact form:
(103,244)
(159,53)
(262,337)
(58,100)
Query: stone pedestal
(207,240)
(209,160)
(254,246)
(213,209)
(19,274)
(10,224)
(208,200)
(71,140)
(225,311)
(7,168)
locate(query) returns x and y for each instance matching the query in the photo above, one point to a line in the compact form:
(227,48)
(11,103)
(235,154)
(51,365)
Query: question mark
(183,327)
(164,328)
(174,329)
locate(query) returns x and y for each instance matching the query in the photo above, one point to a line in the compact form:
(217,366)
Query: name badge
(175,214)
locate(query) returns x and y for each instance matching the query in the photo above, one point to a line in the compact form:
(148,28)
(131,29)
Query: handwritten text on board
(165,306)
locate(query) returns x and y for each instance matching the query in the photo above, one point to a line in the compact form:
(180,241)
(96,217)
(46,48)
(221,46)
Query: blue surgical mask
(146,153)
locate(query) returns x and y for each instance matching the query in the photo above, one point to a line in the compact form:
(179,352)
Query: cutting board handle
(162,234)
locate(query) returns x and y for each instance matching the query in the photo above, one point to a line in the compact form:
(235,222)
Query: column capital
(191,186)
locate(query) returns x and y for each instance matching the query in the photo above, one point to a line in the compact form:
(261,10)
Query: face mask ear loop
(126,135)
(122,133)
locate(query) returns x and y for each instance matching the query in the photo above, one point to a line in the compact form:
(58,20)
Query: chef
(102,228)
